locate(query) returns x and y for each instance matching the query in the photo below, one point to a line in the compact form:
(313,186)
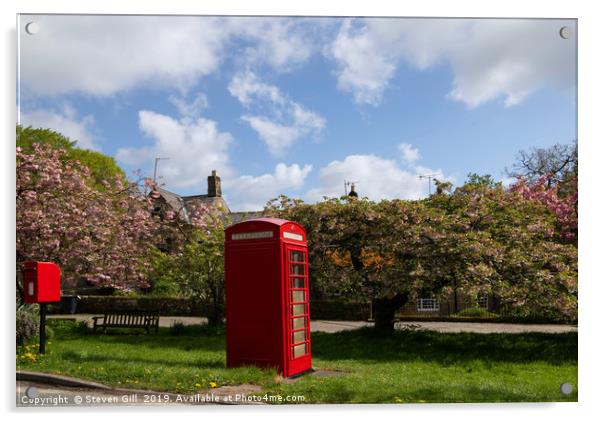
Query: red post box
(267,296)
(41,282)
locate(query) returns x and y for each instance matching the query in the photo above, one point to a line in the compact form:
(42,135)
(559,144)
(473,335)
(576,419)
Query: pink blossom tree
(101,237)
(564,207)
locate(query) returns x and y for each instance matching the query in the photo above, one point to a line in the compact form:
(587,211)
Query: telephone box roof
(274,221)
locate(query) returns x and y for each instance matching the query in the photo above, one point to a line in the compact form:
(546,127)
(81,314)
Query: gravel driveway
(337,326)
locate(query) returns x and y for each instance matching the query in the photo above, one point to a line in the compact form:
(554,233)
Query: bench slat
(133,320)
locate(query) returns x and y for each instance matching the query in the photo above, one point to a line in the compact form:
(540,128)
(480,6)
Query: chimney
(352,193)
(214,185)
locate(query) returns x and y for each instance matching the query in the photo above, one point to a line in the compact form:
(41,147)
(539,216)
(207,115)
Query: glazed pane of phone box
(267,296)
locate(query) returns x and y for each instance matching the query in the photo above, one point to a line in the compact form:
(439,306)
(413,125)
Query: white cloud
(277,137)
(104,55)
(363,69)
(194,148)
(247,86)
(282,43)
(190,109)
(409,154)
(248,193)
(287,121)
(490,59)
(377,178)
(508,181)
(65,121)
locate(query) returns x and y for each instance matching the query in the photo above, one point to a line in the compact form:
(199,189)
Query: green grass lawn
(401,367)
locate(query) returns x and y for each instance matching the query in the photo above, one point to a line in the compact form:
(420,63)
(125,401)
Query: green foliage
(480,238)
(482,180)
(476,312)
(27,136)
(49,333)
(27,323)
(177,328)
(442,186)
(197,271)
(103,168)
(163,279)
(401,367)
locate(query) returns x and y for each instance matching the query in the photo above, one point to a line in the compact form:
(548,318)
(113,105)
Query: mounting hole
(565,32)
(32,392)
(566,388)
(32,28)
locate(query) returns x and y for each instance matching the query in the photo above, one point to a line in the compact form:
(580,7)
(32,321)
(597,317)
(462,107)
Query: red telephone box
(41,282)
(267,296)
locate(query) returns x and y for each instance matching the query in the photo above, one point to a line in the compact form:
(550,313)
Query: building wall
(449,306)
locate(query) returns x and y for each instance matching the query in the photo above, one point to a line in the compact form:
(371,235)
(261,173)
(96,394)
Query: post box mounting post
(42,349)
(41,285)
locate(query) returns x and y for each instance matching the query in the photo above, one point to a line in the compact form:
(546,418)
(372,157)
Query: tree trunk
(216,314)
(384,311)
(216,318)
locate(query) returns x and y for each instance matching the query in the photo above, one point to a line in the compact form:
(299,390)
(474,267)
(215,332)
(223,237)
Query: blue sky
(297,106)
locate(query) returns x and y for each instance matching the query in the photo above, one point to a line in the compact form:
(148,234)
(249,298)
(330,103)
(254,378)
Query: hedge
(96,304)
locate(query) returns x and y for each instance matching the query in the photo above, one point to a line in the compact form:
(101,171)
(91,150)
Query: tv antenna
(430,177)
(156,164)
(348,183)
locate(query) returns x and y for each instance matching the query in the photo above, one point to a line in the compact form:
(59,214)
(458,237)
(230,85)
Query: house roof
(175,201)
(236,217)
(216,202)
(183,203)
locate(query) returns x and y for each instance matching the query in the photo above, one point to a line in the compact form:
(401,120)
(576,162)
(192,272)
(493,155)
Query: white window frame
(427,304)
(482,301)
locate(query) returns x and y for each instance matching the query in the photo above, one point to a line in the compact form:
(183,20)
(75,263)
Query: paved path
(452,327)
(337,326)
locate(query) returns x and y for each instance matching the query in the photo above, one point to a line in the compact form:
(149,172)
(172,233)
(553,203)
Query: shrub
(177,328)
(476,312)
(27,324)
(49,333)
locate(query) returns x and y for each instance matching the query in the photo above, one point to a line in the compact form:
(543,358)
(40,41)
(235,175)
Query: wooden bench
(146,321)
